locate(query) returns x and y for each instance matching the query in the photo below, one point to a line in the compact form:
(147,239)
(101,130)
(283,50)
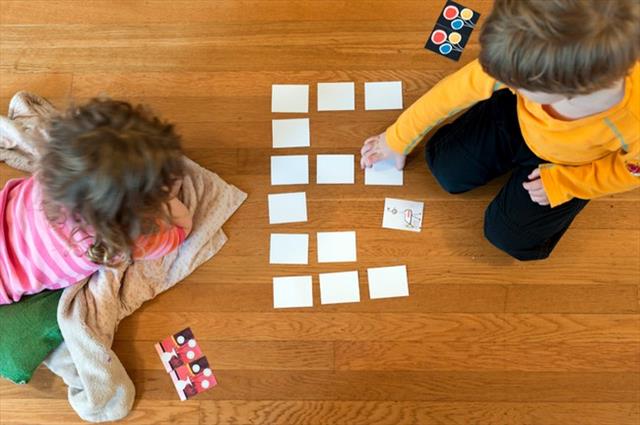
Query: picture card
(388,282)
(193,378)
(178,349)
(452,30)
(289,169)
(291,133)
(401,214)
(335,169)
(338,288)
(287,207)
(290,98)
(289,248)
(384,173)
(336,247)
(292,291)
(383,95)
(336,96)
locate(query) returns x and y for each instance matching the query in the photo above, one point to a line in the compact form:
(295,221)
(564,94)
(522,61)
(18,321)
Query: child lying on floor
(105,192)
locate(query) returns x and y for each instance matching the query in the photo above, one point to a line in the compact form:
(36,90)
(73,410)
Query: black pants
(484,143)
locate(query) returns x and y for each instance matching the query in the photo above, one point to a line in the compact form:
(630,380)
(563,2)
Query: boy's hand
(376,149)
(535,188)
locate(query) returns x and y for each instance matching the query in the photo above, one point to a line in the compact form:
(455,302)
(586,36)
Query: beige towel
(89,312)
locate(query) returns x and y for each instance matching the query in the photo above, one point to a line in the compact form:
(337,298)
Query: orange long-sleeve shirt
(588,157)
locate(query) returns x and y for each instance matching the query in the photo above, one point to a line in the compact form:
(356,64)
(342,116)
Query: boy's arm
(617,172)
(451,95)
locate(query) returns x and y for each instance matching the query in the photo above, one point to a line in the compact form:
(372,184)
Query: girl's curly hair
(110,167)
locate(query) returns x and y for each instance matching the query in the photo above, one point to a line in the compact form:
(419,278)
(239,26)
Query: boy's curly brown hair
(110,167)
(569,47)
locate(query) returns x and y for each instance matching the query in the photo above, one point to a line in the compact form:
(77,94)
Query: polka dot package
(193,378)
(182,358)
(452,30)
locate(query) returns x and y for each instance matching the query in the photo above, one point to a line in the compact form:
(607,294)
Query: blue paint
(456,24)
(445,49)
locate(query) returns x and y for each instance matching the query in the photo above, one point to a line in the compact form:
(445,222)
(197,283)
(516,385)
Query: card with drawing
(452,30)
(401,214)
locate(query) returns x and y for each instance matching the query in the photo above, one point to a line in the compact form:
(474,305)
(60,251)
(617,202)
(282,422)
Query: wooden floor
(481,340)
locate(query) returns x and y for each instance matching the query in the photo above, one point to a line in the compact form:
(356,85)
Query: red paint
(438,36)
(450,12)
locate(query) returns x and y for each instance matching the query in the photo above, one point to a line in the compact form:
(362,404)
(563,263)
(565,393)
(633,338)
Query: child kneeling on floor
(105,192)
(554,98)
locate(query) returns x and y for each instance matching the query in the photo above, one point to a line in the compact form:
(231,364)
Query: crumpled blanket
(89,312)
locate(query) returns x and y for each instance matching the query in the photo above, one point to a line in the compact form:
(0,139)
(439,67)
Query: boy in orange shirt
(555,99)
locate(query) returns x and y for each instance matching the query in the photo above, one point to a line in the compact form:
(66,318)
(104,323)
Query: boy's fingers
(372,159)
(368,160)
(367,148)
(534,174)
(542,200)
(533,185)
(538,192)
(371,139)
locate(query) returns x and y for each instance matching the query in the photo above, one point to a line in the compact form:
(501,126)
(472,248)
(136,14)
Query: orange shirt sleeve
(616,172)
(151,247)
(451,95)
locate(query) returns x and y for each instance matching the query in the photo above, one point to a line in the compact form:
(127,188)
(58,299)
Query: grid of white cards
(288,248)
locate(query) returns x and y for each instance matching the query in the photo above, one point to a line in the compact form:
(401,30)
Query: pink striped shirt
(36,255)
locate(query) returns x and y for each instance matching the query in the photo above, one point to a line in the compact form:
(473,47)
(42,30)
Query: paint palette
(452,30)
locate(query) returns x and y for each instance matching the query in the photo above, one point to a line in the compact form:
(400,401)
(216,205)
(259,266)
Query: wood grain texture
(482,340)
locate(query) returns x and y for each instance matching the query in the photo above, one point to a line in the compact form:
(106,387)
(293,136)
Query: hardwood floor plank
(497,269)
(241,355)
(435,386)
(256,297)
(315,412)
(426,297)
(232,84)
(486,387)
(58,412)
(571,299)
(536,357)
(49,85)
(313,325)
(348,45)
(189,11)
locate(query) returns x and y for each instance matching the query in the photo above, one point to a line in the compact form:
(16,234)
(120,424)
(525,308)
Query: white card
(287,207)
(337,288)
(336,96)
(383,173)
(292,291)
(293,133)
(383,95)
(289,248)
(335,169)
(290,98)
(388,282)
(336,247)
(402,215)
(289,169)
